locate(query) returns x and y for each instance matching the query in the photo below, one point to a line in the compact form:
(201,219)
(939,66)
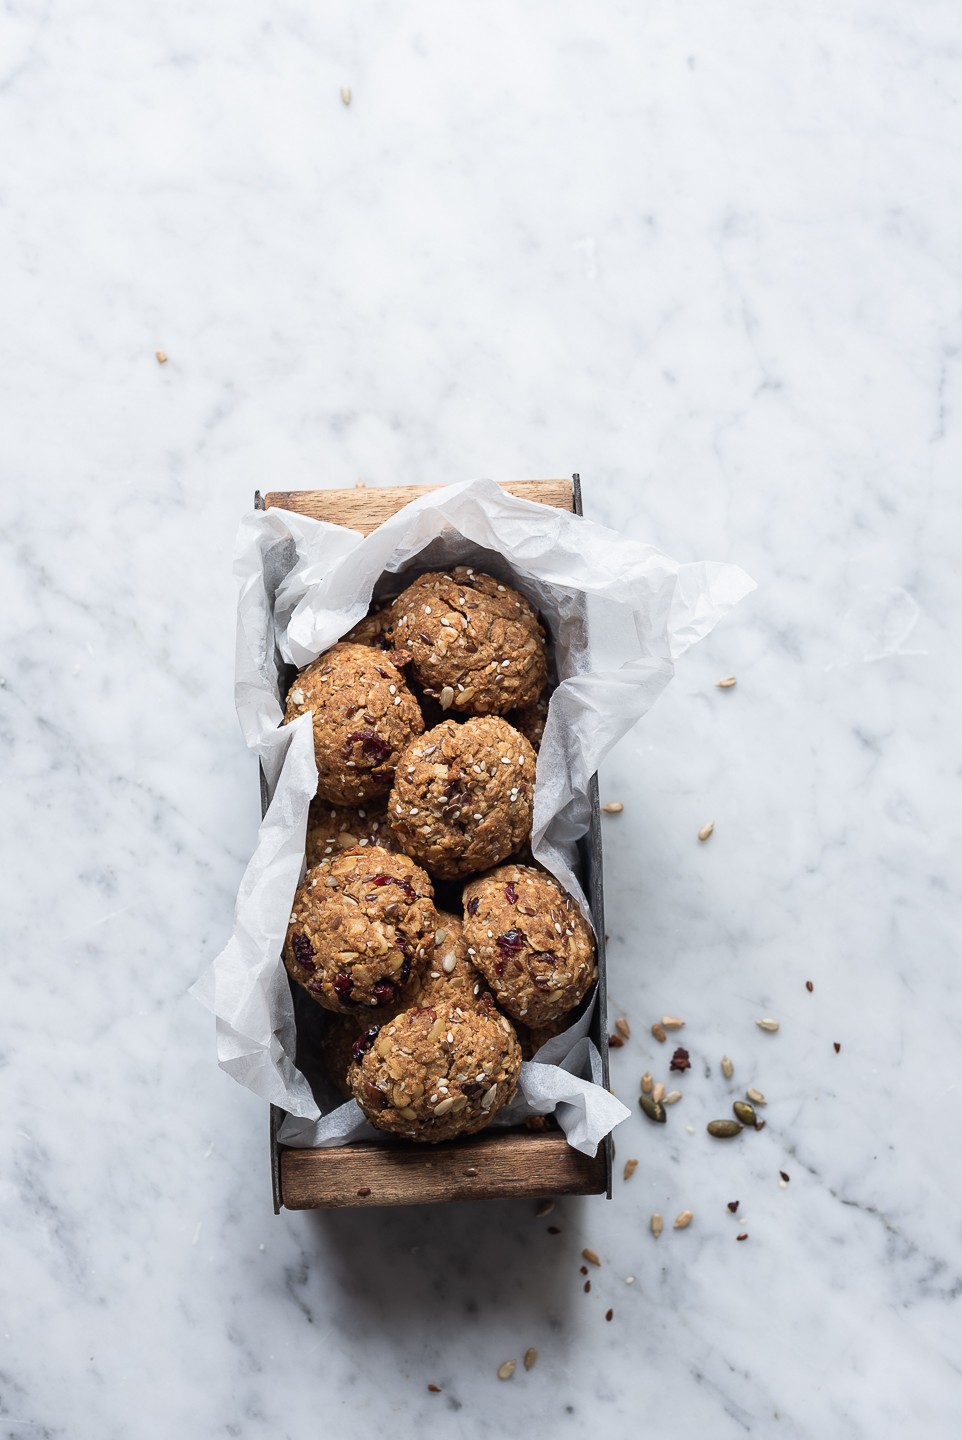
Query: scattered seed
(743,1236)
(659,1033)
(614,807)
(784,1176)
(672,1022)
(658,1093)
(744,1112)
(615,1042)
(690,1129)
(586,1287)
(630,1167)
(733,1205)
(767,1024)
(471,1171)
(680,1060)
(759,1124)
(809,986)
(683,1220)
(590,1256)
(609,1314)
(554,1230)
(364,1190)
(652,1109)
(582,1269)
(726,682)
(623,1028)
(629,1279)
(647,1083)
(545,1207)
(756,1096)
(724,1129)
(836,1045)
(672,1097)
(345,95)
(657,1224)
(161,357)
(727,1068)
(530,1358)
(506,1370)
(706,830)
(435,1389)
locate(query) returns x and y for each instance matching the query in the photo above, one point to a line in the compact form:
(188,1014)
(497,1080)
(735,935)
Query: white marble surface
(707,256)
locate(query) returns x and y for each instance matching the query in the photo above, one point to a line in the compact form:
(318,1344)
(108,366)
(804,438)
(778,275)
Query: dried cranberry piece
(383,673)
(511,893)
(473,905)
(472,1088)
(404,885)
(510,943)
(364,1042)
(372,746)
(303,951)
(343,985)
(384,992)
(680,1060)
(404,974)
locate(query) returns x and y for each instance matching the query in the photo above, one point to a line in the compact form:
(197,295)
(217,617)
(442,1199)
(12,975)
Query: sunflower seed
(672,1097)
(659,1033)
(614,807)
(756,1097)
(727,1068)
(623,1028)
(652,1109)
(345,95)
(506,1370)
(161,357)
(657,1224)
(683,1220)
(658,1093)
(744,1112)
(672,1022)
(630,1167)
(446,699)
(724,1129)
(727,682)
(530,1358)
(590,1256)
(706,830)
(770,1025)
(647,1083)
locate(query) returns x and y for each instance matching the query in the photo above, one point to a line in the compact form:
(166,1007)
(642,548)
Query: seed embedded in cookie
(438,1071)
(363,716)
(331,828)
(530,941)
(362,930)
(475,643)
(463,795)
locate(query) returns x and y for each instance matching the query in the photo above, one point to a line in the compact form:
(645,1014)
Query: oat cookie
(338,1037)
(463,795)
(530,941)
(475,644)
(451,979)
(362,930)
(331,828)
(375,629)
(531,720)
(364,715)
(437,1071)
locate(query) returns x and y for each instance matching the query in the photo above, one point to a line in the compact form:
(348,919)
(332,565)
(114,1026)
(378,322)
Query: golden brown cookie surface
(530,941)
(437,1071)
(463,795)
(475,643)
(331,828)
(362,930)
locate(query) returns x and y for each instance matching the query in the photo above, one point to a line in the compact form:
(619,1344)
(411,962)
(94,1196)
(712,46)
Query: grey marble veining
(708,257)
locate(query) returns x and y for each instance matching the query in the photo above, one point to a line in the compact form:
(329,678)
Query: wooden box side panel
(512,1164)
(367,507)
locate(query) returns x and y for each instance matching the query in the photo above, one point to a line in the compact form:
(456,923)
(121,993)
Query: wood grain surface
(366,507)
(512,1164)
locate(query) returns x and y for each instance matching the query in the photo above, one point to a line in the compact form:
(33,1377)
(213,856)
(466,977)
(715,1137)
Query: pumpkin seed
(652,1109)
(724,1129)
(744,1112)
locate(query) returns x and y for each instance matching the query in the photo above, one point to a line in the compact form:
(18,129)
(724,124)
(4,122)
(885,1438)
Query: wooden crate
(497,1163)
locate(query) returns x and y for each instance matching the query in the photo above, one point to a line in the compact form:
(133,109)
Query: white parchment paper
(302,585)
